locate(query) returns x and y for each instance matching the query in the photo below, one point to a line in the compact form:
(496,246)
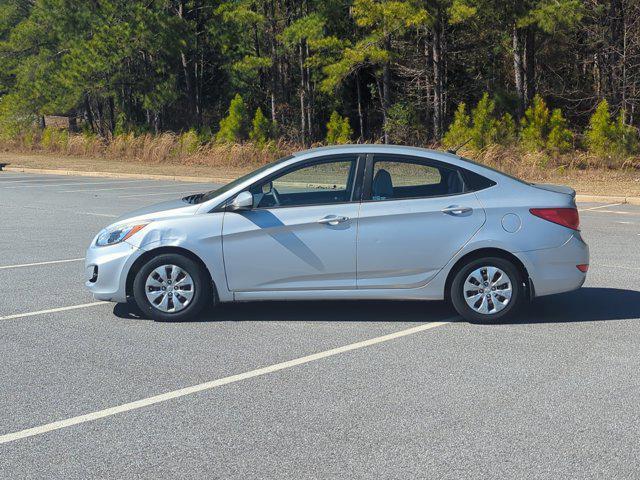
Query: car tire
(488,303)
(172,288)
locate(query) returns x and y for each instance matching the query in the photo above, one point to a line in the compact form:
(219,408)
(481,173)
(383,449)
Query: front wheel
(171,288)
(486,290)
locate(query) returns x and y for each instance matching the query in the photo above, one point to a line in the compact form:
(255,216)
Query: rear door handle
(332,220)
(457,210)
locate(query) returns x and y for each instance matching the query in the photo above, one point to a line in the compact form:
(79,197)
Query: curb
(183,178)
(141,176)
(608,199)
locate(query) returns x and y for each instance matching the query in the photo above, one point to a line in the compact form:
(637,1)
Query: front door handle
(457,210)
(332,220)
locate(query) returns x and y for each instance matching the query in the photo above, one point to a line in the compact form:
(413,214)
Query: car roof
(446,157)
(377,148)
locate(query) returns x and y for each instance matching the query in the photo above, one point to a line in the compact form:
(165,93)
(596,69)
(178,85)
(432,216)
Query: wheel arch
(146,256)
(489,252)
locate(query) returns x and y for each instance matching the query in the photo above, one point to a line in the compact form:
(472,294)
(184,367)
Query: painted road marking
(51,310)
(31,179)
(163,193)
(35,264)
(597,208)
(617,212)
(624,267)
(145,402)
(170,185)
(70,210)
(117,182)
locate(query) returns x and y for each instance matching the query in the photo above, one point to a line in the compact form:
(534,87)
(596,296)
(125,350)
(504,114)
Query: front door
(414,218)
(301,232)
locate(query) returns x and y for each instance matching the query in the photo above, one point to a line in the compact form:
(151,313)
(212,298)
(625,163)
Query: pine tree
(535,125)
(232,127)
(460,129)
(560,138)
(260,128)
(338,129)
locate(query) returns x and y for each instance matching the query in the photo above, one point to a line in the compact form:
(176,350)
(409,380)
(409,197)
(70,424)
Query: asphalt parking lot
(555,394)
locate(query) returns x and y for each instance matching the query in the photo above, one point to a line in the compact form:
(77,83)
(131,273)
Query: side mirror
(243,201)
(267,188)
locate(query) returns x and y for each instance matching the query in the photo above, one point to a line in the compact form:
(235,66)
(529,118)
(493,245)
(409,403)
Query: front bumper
(554,270)
(106,270)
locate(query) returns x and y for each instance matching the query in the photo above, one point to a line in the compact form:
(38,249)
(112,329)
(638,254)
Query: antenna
(455,150)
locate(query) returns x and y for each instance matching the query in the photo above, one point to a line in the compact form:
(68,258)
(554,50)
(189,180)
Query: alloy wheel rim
(169,288)
(487,290)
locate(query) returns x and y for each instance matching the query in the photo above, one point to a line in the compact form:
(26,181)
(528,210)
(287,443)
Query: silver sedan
(348,222)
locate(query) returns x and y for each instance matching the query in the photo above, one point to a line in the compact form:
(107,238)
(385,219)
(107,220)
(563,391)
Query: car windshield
(225,188)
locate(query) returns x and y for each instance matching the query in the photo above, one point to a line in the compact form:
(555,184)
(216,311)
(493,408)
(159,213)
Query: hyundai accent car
(348,222)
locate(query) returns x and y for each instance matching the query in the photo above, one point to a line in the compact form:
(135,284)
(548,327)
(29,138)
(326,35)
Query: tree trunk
(309,96)
(428,86)
(518,69)
(438,79)
(303,113)
(88,113)
(530,65)
(192,101)
(386,89)
(360,117)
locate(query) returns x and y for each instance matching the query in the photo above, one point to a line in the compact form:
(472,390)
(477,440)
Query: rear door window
(396,178)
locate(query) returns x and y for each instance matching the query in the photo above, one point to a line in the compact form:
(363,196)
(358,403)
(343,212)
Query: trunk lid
(555,188)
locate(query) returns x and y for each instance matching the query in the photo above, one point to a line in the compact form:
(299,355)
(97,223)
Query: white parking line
(624,267)
(599,207)
(126,407)
(172,185)
(116,182)
(163,193)
(51,310)
(35,264)
(31,179)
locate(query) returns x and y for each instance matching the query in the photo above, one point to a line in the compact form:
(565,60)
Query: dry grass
(184,154)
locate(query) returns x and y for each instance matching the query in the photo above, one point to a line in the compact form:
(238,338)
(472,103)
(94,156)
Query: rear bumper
(554,270)
(106,270)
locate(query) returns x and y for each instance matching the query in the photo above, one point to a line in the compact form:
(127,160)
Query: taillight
(583,267)
(567,217)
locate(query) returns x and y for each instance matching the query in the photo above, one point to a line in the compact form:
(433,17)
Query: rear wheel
(172,288)
(487,289)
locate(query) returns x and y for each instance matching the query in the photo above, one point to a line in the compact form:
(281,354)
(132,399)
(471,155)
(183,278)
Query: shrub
(483,123)
(481,128)
(607,137)
(560,138)
(542,130)
(54,139)
(189,142)
(233,126)
(460,129)
(260,128)
(535,125)
(506,132)
(402,125)
(338,129)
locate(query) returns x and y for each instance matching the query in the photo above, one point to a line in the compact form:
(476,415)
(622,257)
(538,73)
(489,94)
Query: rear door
(300,233)
(415,215)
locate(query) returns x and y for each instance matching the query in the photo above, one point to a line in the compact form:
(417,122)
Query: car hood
(160,210)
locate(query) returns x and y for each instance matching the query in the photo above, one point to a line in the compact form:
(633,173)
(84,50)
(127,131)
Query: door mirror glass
(267,188)
(243,201)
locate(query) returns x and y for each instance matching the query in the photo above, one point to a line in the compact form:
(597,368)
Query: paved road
(554,395)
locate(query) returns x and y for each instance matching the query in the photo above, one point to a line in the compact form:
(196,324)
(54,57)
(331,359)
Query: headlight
(117,234)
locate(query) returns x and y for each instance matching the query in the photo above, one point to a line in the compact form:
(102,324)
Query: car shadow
(588,304)
(583,305)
